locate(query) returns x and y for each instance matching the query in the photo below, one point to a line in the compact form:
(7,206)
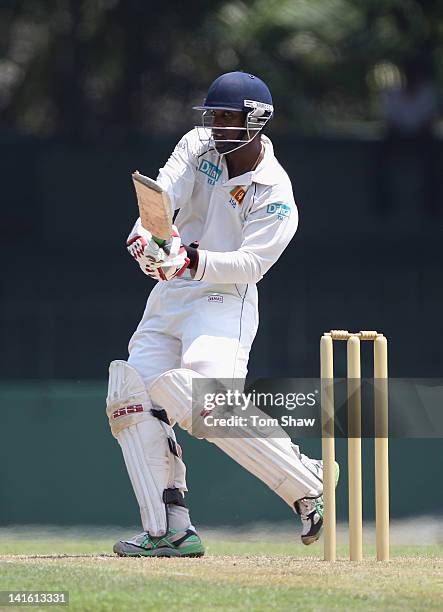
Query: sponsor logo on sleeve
(212,172)
(280,209)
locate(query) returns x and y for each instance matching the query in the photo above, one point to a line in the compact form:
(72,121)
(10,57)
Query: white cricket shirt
(242,224)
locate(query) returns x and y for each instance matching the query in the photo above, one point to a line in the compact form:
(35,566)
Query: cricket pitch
(254,573)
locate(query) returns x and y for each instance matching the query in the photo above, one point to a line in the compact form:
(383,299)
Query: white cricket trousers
(191,324)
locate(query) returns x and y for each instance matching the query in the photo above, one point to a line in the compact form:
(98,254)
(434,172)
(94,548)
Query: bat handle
(161,243)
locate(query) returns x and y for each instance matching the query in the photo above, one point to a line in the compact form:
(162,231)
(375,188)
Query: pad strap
(174,496)
(163,417)
(173,447)
(160,414)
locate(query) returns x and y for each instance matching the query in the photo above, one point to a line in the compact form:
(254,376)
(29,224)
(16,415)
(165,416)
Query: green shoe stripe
(189,541)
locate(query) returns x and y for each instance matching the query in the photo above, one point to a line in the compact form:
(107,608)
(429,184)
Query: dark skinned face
(227,119)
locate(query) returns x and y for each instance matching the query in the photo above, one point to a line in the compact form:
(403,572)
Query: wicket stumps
(354,443)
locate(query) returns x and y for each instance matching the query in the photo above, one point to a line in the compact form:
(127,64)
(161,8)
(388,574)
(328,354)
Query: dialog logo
(280,209)
(212,172)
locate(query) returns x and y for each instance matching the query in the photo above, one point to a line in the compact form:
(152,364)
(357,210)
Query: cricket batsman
(235,215)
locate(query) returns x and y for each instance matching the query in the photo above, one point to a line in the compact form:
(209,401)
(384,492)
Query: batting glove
(159,262)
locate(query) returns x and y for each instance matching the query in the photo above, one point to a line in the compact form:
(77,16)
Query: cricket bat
(154,207)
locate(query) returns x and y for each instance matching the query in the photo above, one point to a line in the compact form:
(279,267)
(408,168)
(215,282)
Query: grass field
(253,573)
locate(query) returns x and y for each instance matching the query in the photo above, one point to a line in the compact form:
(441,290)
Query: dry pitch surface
(256,574)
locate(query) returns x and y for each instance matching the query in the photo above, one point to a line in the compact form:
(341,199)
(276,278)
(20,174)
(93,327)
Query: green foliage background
(96,68)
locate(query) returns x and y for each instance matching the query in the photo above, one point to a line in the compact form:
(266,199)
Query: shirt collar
(263,174)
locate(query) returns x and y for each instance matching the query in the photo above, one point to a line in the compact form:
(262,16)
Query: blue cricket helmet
(239,91)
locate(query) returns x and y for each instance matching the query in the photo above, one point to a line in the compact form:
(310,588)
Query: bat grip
(161,243)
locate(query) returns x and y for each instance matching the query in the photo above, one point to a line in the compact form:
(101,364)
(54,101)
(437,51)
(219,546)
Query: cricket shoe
(311,509)
(172,544)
